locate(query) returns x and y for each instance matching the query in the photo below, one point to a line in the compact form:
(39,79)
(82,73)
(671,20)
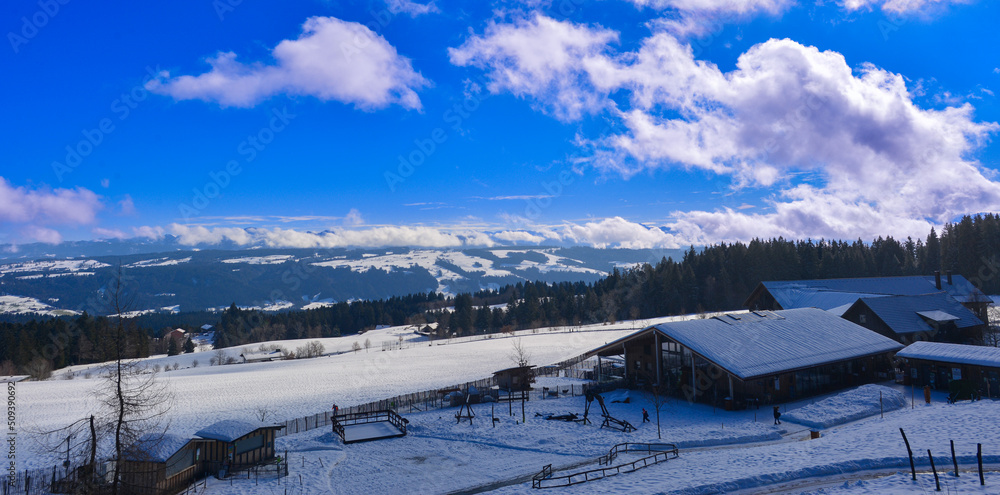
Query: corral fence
(436,399)
(406,403)
(661,452)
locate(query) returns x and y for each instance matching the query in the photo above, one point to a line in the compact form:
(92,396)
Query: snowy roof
(761,343)
(261,356)
(156,447)
(953,353)
(938,316)
(231,429)
(831,293)
(908,314)
(14,378)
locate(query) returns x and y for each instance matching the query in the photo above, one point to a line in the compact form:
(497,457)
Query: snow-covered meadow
(721,451)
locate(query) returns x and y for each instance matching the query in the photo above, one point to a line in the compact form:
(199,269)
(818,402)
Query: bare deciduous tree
(133,402)
(519,353)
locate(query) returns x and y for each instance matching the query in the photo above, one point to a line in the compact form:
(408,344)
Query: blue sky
(642,123)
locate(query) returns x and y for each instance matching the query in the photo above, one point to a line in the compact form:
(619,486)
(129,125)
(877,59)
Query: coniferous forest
(718,277)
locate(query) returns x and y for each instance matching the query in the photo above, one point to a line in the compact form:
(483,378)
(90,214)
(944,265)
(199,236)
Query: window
(862,318)
(249,444)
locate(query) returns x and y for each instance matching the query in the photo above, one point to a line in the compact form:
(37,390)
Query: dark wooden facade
(252,449)
(170,476)
(939,375)
(515,379)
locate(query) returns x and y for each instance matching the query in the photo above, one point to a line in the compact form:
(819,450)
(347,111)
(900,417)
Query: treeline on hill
(719,277)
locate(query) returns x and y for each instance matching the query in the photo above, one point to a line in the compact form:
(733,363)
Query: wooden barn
(515,379)
(761,356)
(837,295)
(238,444)
(938,364)
(163,464)
(934,317)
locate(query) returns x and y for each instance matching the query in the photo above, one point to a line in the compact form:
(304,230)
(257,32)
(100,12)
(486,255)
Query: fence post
(979,460)
(934,469)
(913,469)
(953,458)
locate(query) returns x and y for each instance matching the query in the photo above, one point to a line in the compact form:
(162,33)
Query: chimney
(949,277)
(937,279)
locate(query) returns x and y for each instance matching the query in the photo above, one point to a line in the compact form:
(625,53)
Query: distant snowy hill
(283,279)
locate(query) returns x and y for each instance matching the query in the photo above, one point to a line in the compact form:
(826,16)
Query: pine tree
(172,347)
(188,345)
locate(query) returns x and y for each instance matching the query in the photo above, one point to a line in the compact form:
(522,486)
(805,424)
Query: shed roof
(761,343)
(232,429)
(953,353)
(155,447)
(831,293)
(909,314)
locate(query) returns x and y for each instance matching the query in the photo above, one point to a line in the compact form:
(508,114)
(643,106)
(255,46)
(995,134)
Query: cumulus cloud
(34,211)
(516,236)
(353,218)
(618,232)
(700,17)
(787,108)
(899,6)
(384,236)
(149,232)
(104,233)
(410,8)
(126,206)
(331,60)
(555,77)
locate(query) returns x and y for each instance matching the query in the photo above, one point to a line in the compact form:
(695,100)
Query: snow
(23,304)
(721,451)
(368,431)
(157,447)
(53,266)
(848,406)
(230,429)
(318,304)
(953,353)
(157,262)
(275,259)
(765,343)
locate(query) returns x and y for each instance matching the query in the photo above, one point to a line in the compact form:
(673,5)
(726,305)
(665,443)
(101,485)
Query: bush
(194,364)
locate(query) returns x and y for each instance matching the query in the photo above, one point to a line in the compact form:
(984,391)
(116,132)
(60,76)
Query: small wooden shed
(162,464)
(239,444)
(515,379)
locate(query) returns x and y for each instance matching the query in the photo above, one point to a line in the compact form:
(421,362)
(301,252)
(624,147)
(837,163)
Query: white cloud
(408,7)
(384,236)
(618,232)
(701,17)
(555,77)
(883,163)
(154,232)
(331,60)
(353,218)
(34,211)
(126,205)
(58,206)
(519,236)
(41,234)
(104,233)
(899,6)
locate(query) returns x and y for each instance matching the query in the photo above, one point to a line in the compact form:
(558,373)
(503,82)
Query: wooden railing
(661,452)
(341,421)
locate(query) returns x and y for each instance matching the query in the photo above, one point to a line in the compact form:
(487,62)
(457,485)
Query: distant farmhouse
(912,308)
(760,356)
(938,365)
(908,319)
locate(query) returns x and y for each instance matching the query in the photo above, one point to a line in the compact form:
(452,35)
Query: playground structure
(659,452)
(609,421)
(367,426)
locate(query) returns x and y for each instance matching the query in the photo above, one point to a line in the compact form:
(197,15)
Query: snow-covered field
(21,304)
(720,451)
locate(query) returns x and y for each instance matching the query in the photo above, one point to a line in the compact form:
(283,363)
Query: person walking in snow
(777,414)
(645,415)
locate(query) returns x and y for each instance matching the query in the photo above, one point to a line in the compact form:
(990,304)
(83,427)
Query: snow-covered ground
(21,304)
(720,451)
(861,402)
